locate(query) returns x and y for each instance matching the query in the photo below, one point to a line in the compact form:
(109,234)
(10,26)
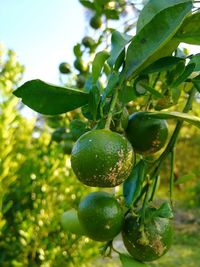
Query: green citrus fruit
(96,22)
(67,146)
(147,135)
(67,136)
(64,68)
(100,216)
(102,158)
(70,222)
(88,42)
(57,134)
(151,243)
(80,65)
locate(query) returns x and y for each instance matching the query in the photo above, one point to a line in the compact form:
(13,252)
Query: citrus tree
(126,92)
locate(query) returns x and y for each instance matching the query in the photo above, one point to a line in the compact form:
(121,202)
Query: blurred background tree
(36,186)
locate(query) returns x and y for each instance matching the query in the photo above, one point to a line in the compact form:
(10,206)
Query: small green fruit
(64,68)
(80,65)
(57,134)
(96,22)
(88,42)
(70,222)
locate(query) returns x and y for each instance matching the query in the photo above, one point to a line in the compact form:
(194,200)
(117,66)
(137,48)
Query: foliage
(146,71)
(36,187)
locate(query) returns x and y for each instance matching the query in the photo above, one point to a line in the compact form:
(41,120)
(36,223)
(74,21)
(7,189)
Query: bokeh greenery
(37,185)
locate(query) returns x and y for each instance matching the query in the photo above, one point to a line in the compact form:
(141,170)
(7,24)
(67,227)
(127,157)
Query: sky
(42,33)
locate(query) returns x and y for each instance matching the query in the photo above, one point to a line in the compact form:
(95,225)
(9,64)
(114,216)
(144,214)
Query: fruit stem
(150,97)
(105,248)
(171,184)
(114,249)
(145,201)
(154,188)
(112,107)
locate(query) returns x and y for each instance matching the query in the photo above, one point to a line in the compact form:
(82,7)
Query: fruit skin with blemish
(102,158)
(146,134)
(150,242)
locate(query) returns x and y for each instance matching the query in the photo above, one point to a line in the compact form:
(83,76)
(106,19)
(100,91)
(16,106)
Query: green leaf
(152,8)
(185,178)
(190,30)
(50,99)
(147,45)
(128,261)
(101,2)
(152,91)
(176,72)
(87,4)
(88,84)
(196,60)
(187,72)
(127,94)
(133,185)
(118,43)
(176,115)
(165,211)
(120,60)
(77,50)
(163,64)
(111,13)
(98,63)
(111,86)
(176,93)
(196,82)
(94,99)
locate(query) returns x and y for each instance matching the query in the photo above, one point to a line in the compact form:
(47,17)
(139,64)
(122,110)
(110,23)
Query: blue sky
(42,33)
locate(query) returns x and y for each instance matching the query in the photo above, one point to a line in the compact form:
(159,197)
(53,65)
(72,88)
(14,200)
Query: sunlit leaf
(50,99)
(98,63)
(118,43)
(163,64)
(133,185)
(111,86)
(152,8)
(190,30)
(153,37)
(176,115)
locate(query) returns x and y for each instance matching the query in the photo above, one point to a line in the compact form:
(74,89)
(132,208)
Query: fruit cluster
(105,158)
